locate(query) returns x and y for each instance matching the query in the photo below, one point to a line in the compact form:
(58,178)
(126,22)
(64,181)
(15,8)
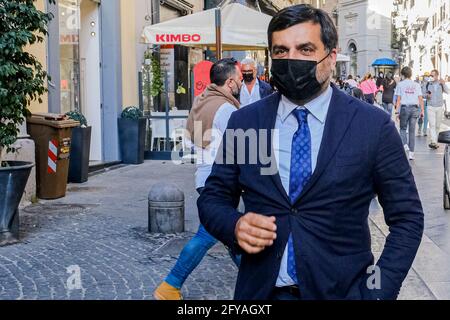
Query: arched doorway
(352,51)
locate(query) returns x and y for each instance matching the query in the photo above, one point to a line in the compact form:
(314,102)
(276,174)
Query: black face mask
(296,79)
(236,94)
(248,77)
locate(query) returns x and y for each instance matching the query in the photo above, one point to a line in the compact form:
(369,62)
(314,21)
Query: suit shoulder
(368,111)
(264,84)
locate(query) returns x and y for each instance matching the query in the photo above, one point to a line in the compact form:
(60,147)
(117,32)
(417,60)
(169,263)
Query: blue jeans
(191,256)
(408,120)
(388,108)
(423,125)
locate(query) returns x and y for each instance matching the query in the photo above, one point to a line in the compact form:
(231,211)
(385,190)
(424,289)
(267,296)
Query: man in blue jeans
(206,125)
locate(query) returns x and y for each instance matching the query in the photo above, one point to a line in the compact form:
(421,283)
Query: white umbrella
(241,28)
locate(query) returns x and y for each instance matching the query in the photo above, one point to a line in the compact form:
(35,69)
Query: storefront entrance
(79,44)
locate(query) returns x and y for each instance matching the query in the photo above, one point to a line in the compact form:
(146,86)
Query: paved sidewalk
(101,227)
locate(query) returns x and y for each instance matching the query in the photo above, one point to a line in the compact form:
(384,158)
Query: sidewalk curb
(425,265)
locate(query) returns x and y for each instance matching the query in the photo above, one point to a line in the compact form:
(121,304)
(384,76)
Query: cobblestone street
(101,228)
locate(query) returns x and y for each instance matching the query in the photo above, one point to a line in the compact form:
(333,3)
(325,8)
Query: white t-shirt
(409,92)
(206,157)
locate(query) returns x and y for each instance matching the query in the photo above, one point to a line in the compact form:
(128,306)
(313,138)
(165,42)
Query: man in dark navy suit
(305,232)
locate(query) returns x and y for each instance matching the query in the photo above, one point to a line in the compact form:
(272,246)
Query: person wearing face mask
(304,234)
(252,88)
(206,124)
(435,90)
(409,108)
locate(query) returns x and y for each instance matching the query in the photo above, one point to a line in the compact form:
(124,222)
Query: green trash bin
(52,135)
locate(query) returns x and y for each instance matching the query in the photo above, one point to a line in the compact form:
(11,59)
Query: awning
(242,29)
(342,58)
(384,62)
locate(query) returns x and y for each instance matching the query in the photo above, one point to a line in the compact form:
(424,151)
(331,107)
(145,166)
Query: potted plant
(80,149)
(132,127)
(21,81)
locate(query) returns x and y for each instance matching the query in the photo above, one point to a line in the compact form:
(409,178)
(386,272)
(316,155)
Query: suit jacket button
(294,210)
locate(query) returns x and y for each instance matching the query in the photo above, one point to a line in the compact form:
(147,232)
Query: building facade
(365,33)
(93,55)
(423,35)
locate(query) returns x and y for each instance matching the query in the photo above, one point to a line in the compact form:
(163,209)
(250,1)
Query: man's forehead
(298,34)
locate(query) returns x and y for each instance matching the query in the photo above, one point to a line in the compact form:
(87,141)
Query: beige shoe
(167,292)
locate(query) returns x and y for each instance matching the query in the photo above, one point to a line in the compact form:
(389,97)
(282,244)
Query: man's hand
(255,232)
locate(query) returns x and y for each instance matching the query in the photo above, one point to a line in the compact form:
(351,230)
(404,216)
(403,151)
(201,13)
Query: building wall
(129,47)
(40,51)
(423,35)
(367,24)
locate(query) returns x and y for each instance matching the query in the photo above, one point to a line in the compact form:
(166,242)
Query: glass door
(69,36)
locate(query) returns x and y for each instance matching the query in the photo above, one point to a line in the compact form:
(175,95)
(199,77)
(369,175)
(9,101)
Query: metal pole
(166,85)
(218,34)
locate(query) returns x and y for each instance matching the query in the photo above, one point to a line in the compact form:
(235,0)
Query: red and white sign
(52,156)
(177,38)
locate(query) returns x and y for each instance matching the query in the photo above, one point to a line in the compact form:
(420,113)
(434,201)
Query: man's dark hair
(222,70)
(350,77)
(301,13)
(406,72)
(435,71)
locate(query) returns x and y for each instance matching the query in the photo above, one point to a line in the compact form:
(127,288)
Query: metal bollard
(165,209)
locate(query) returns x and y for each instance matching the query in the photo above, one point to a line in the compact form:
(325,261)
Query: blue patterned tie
(300,173)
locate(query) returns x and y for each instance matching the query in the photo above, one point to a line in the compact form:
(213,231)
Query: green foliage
(22,77)
(77,116)
(157,85)
(133,113)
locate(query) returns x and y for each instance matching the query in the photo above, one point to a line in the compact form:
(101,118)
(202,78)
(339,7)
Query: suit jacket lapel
(339,117)
(268,117)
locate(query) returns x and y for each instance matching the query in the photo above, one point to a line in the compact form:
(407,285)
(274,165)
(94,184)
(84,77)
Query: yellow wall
(129,41)
(40,51)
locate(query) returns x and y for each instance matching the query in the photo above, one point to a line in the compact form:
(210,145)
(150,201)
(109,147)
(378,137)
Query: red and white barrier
(52,156)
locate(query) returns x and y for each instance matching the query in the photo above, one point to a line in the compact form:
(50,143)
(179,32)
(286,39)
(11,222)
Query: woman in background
(369,88)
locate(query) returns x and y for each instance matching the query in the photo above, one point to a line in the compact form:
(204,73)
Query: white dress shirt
(287,124)
(247,97)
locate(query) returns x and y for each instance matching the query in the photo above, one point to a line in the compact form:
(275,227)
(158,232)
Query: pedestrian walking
(410,103)
(423,121)
(379,83)
(305,232)
(435,90)
(389,86)
(206,125)
(447,99)
(368,88)
(252,88)
(351,83)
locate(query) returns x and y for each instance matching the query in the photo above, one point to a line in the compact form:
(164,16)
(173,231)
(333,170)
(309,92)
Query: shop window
(69,35)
